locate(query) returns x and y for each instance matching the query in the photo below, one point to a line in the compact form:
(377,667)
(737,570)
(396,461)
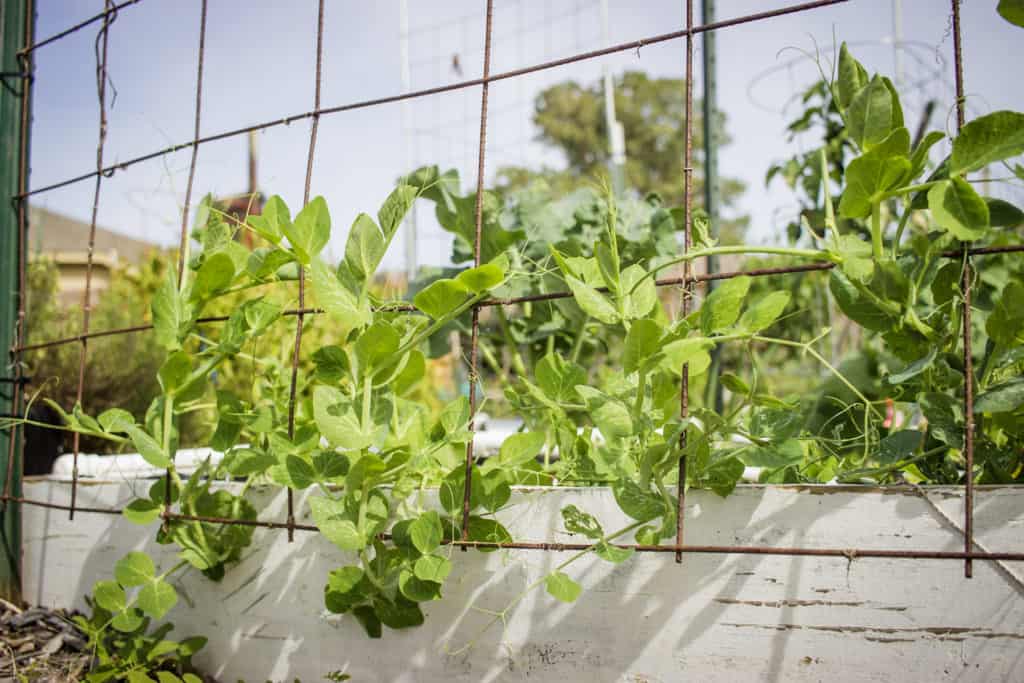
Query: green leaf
(560,586)
(482,278)
(395,207)
(857,305)
(344,579)
(262,262)
(641,505)
(216,273)
(367,618)
(489,530)
(693,351)
(558,377)
(643,294)
(347,311)
(174,372)
(260,314)
(641,344)
(764,312)
(245,462)
(115,420)
(870,114)
(520,448)
(1005,325)
(441,297)
(851,77)
(331,364)
(593,303)
(156,599)
(722,476)
(734,383)
(1012,11)
(300,471)
(944,417)
(496,490)
(399,614)
(426,532)
(375,346)
(109,595)
(309,234)
(128,621)
(610,415)
(365,247)
(134,569)
(139,677)
(919,159)
(956,207)
(416,589)
(871,175)
(722,307)
(432,568)
(141,511)
(1002,398)
(272,220)
(1003,214)
(855,256)
(985,140)
(914,369)
(164,676)
(148,448)
(328,517)
(579,522)
(170,314)
(899,446)
(610,553)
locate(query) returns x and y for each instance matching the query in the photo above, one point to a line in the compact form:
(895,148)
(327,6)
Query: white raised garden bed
(715,617)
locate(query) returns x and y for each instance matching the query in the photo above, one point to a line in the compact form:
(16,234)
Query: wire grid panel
(688,281)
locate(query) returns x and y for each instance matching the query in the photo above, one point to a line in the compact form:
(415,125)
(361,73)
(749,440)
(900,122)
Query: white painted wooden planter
(713,618)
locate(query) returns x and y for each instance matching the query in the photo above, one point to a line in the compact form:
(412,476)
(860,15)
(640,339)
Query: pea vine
(372,452)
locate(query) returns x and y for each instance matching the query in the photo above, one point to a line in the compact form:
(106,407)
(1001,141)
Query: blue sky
(259,67)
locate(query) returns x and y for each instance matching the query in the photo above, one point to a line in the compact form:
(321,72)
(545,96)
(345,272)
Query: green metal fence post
(713,391)
(16,31)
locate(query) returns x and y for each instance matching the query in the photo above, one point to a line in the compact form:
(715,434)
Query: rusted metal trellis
(688,281)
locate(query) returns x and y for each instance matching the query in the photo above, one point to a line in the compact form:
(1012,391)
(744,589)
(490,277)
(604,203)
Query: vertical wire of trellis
(475,333)
(183,240)
(300,316)
(684,379)
(102,41)
(966,283)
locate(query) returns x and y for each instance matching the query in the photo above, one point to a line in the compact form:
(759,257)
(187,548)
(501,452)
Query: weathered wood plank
(713,618)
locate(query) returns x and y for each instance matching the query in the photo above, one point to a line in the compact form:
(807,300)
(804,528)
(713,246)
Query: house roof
(50,232)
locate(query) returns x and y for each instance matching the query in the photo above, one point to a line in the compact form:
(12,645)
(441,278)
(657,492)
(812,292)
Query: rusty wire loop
(688,281)
(301,313)
(966,283)
(478,236)
(100,46)
(461,85)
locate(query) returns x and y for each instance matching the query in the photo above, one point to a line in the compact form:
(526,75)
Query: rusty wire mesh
(688,281)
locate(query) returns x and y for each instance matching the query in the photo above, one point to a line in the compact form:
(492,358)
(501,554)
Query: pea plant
(386,472)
